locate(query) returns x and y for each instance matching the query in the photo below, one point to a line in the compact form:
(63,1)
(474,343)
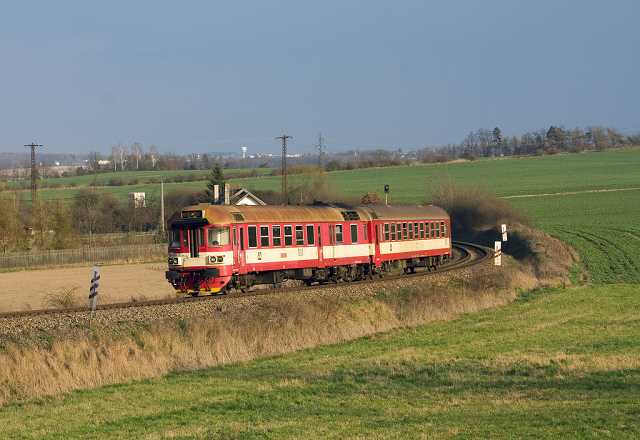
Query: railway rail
(465,255)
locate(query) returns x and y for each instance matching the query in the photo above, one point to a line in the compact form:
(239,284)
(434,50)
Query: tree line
(491,143)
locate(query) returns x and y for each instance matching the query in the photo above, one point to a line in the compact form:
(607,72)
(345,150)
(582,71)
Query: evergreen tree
(215,178)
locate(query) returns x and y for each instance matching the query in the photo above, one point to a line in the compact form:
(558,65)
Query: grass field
(506,177)
(558,363)
(603,227)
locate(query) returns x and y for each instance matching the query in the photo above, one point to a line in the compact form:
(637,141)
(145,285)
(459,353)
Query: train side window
(253,237)
(437,225)
(386,231)
(432,229)
(264,236)
(241,232)
(310,238)
(288,236)
(415,230)
(410,226)
(421,230)
(365,232)
(444,229)
(319,237)
(299,235)
(338,233)
(404,231)
(354,233)
(393,231)
(275,233)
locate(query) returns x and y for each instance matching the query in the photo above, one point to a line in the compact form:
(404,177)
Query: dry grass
(65,298)
(272,327)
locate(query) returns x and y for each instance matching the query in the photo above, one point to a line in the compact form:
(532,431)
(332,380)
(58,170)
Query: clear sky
(212,75)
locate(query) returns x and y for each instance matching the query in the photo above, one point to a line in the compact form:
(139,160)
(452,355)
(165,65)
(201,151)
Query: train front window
(218,236)
(174,238)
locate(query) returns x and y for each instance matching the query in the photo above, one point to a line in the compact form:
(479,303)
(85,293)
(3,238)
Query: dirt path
(568,193)
(29,289)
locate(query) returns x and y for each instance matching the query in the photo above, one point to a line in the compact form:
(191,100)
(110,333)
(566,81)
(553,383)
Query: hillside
(554,364)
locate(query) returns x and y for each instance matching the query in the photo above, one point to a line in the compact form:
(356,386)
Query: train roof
(406,212)
(224,214)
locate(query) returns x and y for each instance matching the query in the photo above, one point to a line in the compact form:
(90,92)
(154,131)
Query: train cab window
(310,237)
(299,235)
(253,237)
(185,238)
(386,231)
(421,230)
(338,233)
(275,233)
(288,235)
(354,233)
(174,238)
(393,231)
(217,236)
(264,236)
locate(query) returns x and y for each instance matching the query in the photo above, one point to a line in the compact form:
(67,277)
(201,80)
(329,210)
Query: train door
(375,238)
(320,253)
(236,251)
(241,250)
(194,242)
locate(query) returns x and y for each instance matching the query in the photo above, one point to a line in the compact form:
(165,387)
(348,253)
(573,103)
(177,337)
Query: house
(245,197)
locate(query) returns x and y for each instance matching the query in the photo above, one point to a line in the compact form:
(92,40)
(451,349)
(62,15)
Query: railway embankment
(53,354)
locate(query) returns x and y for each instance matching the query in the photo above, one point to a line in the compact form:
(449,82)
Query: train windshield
(218,236)
(174,238)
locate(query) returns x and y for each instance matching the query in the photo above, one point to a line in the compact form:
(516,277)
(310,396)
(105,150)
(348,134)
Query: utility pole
(34,172)
(162,205)
(284,138)
(320,147)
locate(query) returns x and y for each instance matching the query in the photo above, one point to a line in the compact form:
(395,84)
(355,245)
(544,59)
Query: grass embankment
(553,364)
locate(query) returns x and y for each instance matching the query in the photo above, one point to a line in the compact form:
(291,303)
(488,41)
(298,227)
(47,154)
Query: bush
(473,209)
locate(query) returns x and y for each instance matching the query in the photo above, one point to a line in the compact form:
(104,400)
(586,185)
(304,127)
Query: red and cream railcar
(417,236)
(216,247)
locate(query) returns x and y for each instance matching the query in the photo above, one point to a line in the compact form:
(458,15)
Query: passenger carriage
(216,247)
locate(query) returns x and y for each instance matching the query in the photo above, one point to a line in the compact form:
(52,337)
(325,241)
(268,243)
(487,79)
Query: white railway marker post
(497,260)
(504,232)
(93,290)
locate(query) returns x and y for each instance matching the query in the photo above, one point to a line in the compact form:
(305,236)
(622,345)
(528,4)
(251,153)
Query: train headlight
(174,261)
(213,259)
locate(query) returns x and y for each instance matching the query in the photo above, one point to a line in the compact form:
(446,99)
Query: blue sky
(211,76)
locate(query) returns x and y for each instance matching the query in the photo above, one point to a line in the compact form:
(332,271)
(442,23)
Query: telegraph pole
(162,205)
(320,147)
(284,138)
(34,172)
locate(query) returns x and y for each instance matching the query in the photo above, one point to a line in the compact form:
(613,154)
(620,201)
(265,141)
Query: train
(214,249)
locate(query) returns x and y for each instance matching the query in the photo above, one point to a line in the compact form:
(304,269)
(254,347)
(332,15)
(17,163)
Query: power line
(284,138)
(34,171)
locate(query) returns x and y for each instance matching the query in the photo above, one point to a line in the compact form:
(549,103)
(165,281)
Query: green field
(413,184)
(556,364)
(603,227)
(505,177)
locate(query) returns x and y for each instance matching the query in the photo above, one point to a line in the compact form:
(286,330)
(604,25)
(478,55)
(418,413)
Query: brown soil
(33,289)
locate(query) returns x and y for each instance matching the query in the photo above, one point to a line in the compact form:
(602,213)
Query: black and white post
(93,290)
(504,232)
(497,253)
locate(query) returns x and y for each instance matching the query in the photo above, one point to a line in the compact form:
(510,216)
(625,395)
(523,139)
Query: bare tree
(136,152)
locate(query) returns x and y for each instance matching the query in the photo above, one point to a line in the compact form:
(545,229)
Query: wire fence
(89,255)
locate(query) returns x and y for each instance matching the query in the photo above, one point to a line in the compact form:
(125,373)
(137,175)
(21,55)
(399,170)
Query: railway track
(465,255)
